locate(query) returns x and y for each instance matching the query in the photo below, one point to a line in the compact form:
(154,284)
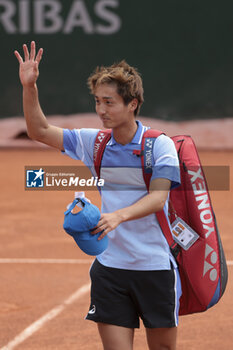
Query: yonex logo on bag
(35,178)
(101,137)
(201,196)
(212,257)
(99,140)
(148,155)
(206,218)
(149,143)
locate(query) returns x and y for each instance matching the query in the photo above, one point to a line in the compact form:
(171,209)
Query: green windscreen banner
(183,50)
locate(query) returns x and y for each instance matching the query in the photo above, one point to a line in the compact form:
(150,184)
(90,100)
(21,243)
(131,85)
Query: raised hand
(28,68)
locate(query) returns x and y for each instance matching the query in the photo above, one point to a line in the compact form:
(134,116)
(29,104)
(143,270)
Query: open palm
(28,68)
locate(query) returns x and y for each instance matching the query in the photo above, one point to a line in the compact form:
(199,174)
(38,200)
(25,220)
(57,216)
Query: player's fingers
(33,50)
(19,58)
(26,53)
(99,228)
(96,230)
(39,55)
(103,234)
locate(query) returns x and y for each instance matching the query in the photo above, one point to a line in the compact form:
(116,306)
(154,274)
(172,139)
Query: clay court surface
(44,275)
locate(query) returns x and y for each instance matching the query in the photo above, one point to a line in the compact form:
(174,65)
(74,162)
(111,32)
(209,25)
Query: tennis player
(136,277)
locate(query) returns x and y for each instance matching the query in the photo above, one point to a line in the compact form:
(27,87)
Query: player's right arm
(38,127)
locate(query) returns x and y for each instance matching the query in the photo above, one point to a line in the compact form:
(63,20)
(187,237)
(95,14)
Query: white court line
(57,261)
(35,326)
(45,261)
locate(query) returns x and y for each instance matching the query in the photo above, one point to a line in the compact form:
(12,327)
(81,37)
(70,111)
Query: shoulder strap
(148,140)
(101,140)
(147,145)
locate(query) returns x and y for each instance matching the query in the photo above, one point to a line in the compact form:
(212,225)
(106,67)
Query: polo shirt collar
(136,139)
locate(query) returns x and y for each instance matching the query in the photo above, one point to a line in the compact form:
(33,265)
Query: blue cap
(80,224)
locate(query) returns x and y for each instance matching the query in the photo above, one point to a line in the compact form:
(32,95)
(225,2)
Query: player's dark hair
(126,78)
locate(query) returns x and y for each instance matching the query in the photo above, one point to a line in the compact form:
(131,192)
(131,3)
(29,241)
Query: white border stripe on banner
(35,326)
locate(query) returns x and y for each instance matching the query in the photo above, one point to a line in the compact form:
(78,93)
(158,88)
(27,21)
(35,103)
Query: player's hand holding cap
(79,226)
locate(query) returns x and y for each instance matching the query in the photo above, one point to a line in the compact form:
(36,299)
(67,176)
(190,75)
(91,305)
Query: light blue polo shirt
(137,244)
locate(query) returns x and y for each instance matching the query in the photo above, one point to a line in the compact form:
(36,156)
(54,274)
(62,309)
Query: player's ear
(133,104)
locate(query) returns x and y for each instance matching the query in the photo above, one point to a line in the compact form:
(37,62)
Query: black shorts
(120,297)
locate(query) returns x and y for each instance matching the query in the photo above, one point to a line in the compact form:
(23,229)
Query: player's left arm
(151,203)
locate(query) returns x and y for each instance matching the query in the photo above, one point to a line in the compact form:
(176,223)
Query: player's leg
(112,308)
(156,295)
(161,338)
(115,337)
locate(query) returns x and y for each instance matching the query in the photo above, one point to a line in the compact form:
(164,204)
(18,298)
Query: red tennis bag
(202,267)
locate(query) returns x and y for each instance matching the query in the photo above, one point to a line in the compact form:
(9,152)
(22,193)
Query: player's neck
(125,133)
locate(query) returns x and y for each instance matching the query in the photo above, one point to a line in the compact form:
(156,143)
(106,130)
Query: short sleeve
(79,144)
(166,162)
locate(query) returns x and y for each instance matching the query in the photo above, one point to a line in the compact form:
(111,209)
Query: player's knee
(166,347)
(162,347)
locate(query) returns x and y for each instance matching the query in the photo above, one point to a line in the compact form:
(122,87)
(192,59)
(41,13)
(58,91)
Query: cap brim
(90,244)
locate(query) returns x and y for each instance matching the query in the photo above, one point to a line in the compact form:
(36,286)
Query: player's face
(111,108)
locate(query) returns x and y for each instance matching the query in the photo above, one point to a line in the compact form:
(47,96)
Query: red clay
(31,227)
